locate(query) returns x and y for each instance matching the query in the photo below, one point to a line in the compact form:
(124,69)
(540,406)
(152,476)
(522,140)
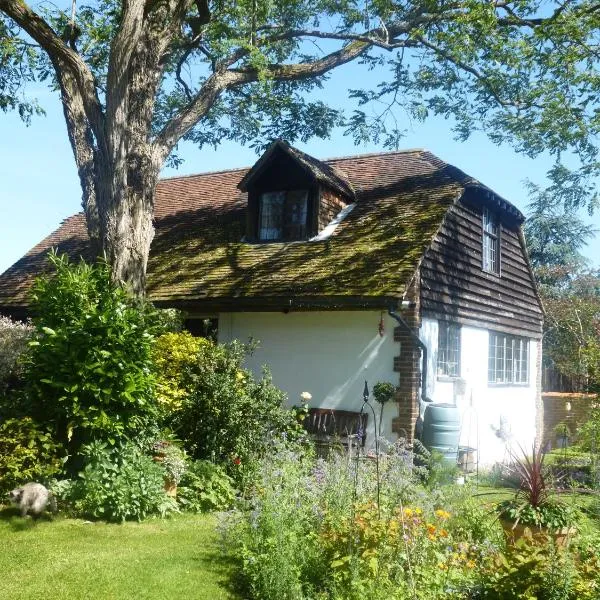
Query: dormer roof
(316,170)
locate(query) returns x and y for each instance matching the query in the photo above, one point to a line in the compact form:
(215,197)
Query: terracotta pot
(170,488)
(515,531)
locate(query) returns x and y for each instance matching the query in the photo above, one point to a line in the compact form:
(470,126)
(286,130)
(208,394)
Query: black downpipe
(423,348)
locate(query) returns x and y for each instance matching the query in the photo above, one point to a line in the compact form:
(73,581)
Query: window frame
(513,362)
(445,347)
(287,207)
(491,238)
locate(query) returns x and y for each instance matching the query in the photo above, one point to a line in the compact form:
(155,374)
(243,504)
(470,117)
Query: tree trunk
(126,206)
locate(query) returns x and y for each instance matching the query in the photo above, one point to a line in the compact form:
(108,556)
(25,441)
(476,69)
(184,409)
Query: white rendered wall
(329,354)
(484,407)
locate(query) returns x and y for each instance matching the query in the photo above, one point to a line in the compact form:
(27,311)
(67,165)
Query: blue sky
(40,187)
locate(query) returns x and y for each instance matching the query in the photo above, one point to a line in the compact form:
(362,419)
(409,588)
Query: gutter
(423,347)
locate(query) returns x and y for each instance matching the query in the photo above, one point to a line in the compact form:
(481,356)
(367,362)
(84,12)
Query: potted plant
(534,510)
(173,460)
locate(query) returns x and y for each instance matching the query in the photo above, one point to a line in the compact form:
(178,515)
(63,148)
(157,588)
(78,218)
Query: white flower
(306,396)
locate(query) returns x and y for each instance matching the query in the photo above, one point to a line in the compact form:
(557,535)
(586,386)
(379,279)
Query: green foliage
(522,75)
(314,531)
(383,392)
(534,504)
(88,369)
(572,338)
(13,343)
(27,453)
(117,484)
(205,487)
(555,237)
(531,569)
(220,412)
(174,355)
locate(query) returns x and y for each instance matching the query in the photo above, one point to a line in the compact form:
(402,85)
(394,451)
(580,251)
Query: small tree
(88,368)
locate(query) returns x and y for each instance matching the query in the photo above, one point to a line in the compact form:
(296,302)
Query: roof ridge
(383,153)
(215,172)
(324,160)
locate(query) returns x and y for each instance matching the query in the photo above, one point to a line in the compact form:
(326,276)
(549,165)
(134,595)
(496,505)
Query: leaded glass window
(283,216)
(508,360)
(448,362)
(491,245)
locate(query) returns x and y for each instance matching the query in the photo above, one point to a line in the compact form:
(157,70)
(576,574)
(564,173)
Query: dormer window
(283,216)
(292,196)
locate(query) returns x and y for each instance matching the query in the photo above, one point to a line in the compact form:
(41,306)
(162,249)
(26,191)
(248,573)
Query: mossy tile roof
(199,257)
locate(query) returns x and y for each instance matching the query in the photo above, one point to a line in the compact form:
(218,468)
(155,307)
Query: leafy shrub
(88,369)
(13,343)
(531,569)
(205,487)
(174,356)
(220,412)
(27,453)
(117,484)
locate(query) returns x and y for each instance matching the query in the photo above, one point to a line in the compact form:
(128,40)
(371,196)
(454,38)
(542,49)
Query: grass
(74,559)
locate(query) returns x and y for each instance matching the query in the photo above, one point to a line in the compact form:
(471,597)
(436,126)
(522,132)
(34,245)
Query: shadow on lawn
(225,568)
(12,516)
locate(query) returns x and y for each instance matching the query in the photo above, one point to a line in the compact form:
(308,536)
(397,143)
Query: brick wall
(408,366)
(556,405)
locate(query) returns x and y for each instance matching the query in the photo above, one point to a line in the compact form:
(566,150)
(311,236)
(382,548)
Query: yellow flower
(442,514)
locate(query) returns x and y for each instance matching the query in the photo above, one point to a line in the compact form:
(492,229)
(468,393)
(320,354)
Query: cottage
(389,267)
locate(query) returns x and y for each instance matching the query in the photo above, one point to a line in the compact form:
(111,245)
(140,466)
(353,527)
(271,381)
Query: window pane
(448,349)
(490,242)
(490,225)
(295,215)
(507,359)
(271,216)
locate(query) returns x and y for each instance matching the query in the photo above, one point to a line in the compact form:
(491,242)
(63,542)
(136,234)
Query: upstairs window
(491,245)
(283,216)
(448,363)
(508,359)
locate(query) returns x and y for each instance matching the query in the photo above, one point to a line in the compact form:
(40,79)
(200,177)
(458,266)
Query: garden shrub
(174,356)
(217,408)
(13,343)
(118,483)
(533,569)
(205,487)
(88,368)
(27,453)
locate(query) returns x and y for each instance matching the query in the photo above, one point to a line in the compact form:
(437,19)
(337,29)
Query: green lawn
(72,559)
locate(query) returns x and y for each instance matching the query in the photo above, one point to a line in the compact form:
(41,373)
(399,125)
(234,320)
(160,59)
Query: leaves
(90,366)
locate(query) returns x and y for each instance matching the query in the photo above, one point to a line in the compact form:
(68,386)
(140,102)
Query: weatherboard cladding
(199,259)
(454,286)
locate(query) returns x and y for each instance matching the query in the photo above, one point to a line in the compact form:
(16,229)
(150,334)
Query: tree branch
(477,74)
(65,58)
(218,82)
(82,143)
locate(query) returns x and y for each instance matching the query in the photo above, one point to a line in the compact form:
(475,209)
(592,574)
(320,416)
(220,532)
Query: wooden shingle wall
(455,287)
